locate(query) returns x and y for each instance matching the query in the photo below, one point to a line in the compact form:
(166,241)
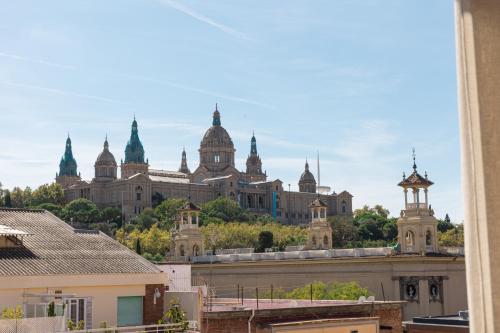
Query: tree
(111,215)
(223,208)
(369,229)
(145,219)
(452,237)
(13,312)
(28,196)
(138,249)
(17,197)
(236,234)
(265,240)
(82,211)
(324,291)
(53,193)
(155,240)
(53,208)
(445,225)
(168,211)
(7,199)
(344,230)
(175,315)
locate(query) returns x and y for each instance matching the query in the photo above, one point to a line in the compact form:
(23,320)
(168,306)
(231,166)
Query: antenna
(319,177)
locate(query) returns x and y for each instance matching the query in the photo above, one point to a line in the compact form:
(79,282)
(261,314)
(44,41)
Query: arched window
(314,241)
(428,238)
(138,193)
(410,238)
(325,241)
(181,250)
(196,250)
(344,207)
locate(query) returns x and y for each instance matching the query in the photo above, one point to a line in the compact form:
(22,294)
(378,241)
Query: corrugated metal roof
(55,248)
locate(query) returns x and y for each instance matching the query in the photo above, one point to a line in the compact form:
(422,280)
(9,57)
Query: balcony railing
(416,205)
(142,329)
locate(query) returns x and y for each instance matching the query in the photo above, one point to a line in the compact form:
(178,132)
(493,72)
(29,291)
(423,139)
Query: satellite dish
(323,189)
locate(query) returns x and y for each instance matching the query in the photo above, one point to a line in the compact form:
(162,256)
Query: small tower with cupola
(184,166)
(307,183)
(187,237)
(417,226)
(254,164)
(134,155)
(105,166)
(320,231)
(68,174)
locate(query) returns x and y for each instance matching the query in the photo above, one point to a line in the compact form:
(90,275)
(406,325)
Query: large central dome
(216,136)
(216,148)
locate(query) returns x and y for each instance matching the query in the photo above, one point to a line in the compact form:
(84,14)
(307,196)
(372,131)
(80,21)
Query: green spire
(67,165)
(134,152)
(253,146)
(216,121)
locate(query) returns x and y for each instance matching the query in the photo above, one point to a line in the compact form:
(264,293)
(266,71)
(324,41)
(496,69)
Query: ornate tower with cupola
(184,167)
(320,231)
(187,237)
(105,166)
(307,183)
(134,155)
(254,164)
(417,226)
(216,152)
(68,174)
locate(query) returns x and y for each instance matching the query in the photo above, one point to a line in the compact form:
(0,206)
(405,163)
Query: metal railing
(159,328)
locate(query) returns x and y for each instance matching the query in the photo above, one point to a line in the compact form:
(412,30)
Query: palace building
(140,186)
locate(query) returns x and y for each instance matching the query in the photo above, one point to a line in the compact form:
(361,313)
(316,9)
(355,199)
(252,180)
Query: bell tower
(187,237)
(68,174)
(320,231)
(417,226)
(134,155)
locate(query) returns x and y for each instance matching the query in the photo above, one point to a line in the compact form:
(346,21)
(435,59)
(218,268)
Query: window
(138,196)
(410,238)
(314,241)
(76,309)
(181,250)
(428,238)
(196,250)
(325,240)
(344,207)
(129,311)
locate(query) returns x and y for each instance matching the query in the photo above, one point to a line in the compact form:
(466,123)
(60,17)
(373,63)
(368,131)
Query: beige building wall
(103,289)
(333,326)
(382,277)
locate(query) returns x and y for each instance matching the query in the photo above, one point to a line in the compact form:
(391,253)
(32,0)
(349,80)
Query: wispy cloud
(196,90)
(143,79)
(60,92)
(366,141)
(35,61)
(202,18)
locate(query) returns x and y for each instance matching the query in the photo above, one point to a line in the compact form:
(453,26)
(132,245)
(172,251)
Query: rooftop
(55,248)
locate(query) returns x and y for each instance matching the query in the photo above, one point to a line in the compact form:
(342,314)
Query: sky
(361,81)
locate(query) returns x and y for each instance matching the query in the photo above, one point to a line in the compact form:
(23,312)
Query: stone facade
(140,186)
(437,281)
(417,226)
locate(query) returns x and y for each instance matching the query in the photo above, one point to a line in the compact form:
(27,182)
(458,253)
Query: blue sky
(361,81)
